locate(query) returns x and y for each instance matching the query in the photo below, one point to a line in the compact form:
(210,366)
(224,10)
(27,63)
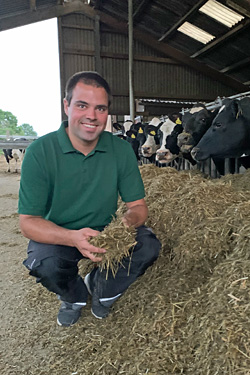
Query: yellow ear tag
(152,132)
(132,136)
(178,121)
(140,130)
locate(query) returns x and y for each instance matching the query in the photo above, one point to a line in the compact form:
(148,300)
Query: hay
(118,241)
(188,314)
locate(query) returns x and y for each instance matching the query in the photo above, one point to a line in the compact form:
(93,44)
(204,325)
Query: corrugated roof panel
(221,13)
(195,33)
(12,7)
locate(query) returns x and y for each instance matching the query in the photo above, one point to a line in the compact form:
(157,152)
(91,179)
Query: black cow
(229,135)
(195,124)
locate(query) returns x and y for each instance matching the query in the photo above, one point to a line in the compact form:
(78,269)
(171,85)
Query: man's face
(87,114)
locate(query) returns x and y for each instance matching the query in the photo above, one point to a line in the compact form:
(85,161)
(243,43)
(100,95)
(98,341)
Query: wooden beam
(222,39)
(118,56)
(182,20)
(140,9)
(242,6)
(26,18)
(236,66)
(173,53)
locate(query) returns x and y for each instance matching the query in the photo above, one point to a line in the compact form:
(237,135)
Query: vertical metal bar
(237,165)
(227,166)
(130,42)
(98,65)
(62,65)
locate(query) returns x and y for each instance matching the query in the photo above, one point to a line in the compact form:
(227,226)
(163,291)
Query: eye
(217,124)
(102,109)
(82,106)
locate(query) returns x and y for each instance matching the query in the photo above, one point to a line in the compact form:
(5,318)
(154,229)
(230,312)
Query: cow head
(152,143)
(127,126)
(229,134)
(164,131)
(172,148)
(195,124)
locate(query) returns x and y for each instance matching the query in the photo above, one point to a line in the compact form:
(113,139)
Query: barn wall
(82,47)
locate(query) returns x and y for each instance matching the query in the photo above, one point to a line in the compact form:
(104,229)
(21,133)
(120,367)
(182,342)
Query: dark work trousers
(55,267)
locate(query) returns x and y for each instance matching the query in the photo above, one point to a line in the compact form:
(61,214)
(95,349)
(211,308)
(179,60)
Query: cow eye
(217,124)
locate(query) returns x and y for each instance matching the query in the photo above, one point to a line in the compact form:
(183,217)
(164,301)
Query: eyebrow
(85,103)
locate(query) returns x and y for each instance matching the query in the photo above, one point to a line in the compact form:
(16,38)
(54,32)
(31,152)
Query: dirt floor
(189,316)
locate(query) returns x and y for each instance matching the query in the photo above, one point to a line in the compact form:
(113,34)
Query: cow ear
(236,108)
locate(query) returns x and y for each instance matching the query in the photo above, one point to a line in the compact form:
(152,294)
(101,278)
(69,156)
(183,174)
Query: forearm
(136,216)
(40,230)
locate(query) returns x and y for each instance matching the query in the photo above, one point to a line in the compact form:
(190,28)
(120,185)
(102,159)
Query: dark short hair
(89,78)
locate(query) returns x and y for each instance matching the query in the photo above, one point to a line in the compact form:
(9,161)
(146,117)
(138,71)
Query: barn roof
(165,26)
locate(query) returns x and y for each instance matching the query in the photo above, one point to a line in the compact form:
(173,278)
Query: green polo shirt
(75,191)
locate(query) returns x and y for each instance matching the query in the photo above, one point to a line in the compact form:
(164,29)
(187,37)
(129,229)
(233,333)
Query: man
(69,187)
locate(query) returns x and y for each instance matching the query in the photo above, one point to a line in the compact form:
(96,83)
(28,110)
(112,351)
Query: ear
(65,106)
(236,108)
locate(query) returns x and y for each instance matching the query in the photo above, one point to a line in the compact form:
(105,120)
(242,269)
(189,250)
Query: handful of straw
(118,240)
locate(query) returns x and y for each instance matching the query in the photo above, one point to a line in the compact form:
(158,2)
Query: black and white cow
(136,137)
(16,154)
(172,149)
(152,142)
(165,131)
(229,134)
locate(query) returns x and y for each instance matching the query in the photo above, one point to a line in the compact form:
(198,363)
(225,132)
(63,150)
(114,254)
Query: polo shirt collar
(67,147)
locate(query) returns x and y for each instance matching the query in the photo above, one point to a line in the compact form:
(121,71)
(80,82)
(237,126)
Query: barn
(189,314)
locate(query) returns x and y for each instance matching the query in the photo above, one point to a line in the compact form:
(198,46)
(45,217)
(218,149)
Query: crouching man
(70,183)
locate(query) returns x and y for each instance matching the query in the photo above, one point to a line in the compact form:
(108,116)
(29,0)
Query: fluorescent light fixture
(221,13)
(195,33)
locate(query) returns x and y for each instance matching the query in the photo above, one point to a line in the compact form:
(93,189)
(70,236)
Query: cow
(229,134)
(164,132)
(195,124)
(136,137)
(16,154)
(152,142)
(172,150)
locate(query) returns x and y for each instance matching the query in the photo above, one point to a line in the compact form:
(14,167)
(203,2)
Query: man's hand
(80,239)
(40,230)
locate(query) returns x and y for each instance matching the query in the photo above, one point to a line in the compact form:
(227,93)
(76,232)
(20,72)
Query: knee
(148,243)
(55,270)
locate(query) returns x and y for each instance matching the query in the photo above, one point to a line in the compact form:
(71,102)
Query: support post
(130,38)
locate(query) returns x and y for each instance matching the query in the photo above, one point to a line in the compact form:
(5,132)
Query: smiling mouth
(89,126)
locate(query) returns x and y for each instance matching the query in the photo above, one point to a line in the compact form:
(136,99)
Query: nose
(90,113)
(194,152)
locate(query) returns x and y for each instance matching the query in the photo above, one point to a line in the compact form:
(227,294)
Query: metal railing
(15,141)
